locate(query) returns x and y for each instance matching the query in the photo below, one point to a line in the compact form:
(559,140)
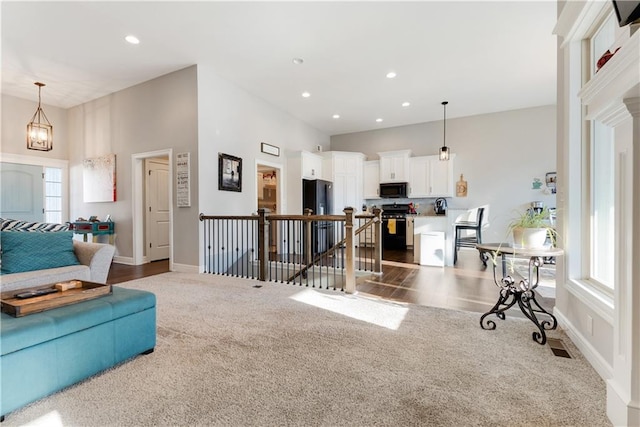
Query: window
(601,41)
(53,195)
(601,209)
(598,148)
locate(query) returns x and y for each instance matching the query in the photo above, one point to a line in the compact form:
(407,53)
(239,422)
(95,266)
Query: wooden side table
(520,292)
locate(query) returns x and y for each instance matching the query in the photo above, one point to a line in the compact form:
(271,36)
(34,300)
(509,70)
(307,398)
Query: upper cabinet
(300,165)
(345,170)
(371,182)
(311,165)
(431,177)
(394,166)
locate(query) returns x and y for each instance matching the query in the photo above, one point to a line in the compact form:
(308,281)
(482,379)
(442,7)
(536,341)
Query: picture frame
(99,179)
(270,149)
(229,173)
(550,181)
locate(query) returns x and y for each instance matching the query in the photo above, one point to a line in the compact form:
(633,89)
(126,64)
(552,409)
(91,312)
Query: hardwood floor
(119,273)
(467,286)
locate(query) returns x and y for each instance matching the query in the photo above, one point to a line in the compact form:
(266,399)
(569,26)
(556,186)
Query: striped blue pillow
(36,251)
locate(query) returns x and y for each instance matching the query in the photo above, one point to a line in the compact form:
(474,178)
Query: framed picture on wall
(229,173)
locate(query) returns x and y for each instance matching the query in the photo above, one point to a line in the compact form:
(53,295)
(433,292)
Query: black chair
(469,240)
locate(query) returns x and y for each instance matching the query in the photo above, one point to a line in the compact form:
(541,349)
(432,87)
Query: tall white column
(623,389)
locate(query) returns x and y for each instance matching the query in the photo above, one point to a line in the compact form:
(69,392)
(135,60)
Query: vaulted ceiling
(480,56)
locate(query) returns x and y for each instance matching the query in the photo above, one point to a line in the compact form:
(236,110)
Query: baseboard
(123,260)
(184,268)
(619,412)
(598,363)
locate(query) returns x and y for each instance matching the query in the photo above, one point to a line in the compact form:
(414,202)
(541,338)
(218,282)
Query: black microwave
(393,190)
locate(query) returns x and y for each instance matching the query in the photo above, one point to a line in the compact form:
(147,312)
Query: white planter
(529,238)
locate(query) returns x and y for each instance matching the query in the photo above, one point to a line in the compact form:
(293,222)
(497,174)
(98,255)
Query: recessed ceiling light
(378,120)
(298,61)
(391,74)
(336,116)
(132,39)
(406,104)
(306,94)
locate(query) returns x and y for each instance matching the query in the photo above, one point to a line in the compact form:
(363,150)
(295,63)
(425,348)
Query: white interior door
(22,189)
(157,209)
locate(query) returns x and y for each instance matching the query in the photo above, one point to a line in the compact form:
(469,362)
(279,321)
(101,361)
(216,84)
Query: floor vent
(558,348)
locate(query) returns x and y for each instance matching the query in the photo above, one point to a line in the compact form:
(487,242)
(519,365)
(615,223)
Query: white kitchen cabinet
(311,165)
(345,170)
(431,177)
(371,179)
(300,165)
(394,166)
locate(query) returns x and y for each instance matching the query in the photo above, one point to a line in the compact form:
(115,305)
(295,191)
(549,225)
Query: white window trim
(593,297)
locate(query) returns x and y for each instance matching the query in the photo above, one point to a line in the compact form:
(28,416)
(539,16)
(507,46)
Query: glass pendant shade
(39,129)
(444,153)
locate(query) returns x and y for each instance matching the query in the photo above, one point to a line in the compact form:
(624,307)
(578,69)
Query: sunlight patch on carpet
(379,313)
(51,419)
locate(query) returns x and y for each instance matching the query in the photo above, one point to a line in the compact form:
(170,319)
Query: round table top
(507,248)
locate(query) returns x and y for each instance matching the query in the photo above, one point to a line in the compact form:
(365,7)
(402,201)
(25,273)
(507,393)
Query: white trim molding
(604,369)
(616,80)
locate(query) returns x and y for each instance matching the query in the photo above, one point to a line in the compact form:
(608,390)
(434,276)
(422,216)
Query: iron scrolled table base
(522,293)
(528,304)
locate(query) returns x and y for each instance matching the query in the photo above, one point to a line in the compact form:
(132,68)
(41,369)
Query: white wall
(499,154)
(233,121)
(158,114)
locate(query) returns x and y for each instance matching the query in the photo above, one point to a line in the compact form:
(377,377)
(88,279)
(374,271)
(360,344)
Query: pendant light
(39,131)
(444,150)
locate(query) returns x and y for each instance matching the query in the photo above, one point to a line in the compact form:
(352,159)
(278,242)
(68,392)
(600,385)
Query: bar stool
(473,233)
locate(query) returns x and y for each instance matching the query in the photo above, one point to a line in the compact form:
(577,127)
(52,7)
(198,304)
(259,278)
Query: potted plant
(531,228)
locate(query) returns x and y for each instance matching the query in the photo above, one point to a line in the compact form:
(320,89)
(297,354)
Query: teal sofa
(45,352)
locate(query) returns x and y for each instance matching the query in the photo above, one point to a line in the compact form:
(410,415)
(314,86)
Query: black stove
(394,226)
(395,210)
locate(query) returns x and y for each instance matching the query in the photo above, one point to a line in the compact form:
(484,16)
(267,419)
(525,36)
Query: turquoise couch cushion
(36,251)
(22,332)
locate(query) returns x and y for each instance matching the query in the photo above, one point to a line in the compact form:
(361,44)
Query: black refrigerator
(317,195)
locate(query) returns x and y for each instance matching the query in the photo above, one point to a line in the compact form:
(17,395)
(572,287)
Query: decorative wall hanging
(270,149)
(550,181)
(229,173)
(461,187)
(536,184)
(99,179)
(183,184)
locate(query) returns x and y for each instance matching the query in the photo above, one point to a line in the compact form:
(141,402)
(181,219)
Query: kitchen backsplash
(421,205)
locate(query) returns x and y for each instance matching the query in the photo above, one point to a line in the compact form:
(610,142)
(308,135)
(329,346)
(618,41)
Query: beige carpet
(231,354)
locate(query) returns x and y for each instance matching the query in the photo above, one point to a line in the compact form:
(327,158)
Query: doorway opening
(269,195)
(161,213)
